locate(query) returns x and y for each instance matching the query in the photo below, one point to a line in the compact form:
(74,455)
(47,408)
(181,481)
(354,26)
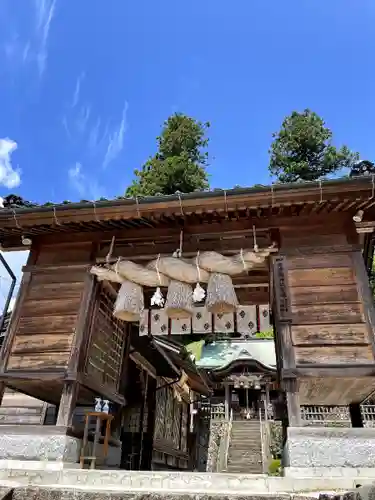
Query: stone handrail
(224,445)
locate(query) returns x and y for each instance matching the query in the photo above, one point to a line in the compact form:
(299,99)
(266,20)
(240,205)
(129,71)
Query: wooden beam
(320,370)
(318,250)
(293,403)
(100,389)
(67,404)
(167,230)
(365,296)
(82,331)
(190,248)
(14,375)
(283,330)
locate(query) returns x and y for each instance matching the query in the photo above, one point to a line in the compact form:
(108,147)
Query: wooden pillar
(355,415)
(146,463)
(227,401)
(293,404)
(141,418)
(265,400)
(67,404)
(82,328)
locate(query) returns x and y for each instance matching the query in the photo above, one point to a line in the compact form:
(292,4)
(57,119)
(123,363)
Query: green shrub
(274,467)
(268,334)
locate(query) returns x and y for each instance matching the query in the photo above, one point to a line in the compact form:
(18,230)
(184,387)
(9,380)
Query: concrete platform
(182,483)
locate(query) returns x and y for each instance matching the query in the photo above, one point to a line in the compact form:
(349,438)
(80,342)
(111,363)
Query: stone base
(329,447)
(170,484)
(330,472)
(40,444)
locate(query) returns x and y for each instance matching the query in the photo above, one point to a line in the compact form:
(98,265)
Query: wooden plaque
(281,288)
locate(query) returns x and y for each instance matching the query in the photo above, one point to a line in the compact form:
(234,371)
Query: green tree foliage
(15,201)
(302,150)
(180,162)
(363,167)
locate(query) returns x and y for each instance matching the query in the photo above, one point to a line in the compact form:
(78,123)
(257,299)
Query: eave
(251,204)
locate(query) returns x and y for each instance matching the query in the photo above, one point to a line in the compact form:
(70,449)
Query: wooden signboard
(281,288)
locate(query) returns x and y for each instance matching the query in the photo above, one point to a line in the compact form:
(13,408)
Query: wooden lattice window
(106,350)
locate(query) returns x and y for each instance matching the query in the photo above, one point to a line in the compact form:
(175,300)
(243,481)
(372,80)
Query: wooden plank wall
(328,321)
(19,409)
(48,312)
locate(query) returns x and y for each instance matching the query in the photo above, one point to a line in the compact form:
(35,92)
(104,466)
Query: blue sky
(86,85)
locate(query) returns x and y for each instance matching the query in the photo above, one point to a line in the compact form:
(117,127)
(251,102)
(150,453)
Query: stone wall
(309,447)
(217,431)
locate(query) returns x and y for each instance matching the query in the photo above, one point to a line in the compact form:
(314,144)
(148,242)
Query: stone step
(245,439)
(245,470)
(248,460)
(245,455)
(246,428)
(245,432)
(245,452)
(240,445)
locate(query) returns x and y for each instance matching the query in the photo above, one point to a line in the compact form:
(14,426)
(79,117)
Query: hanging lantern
(179,303)
(221,296)
(130,302)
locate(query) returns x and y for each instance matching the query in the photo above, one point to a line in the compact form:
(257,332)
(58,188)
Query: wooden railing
(326,416)
(336,416)
(368,415)
(218,411)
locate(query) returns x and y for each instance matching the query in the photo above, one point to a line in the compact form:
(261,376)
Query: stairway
(245,448)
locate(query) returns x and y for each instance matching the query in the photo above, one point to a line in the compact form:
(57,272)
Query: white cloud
(116,139)
(77,178)
(45,10)
(15,260)
(9,177)
(86,187)
(77,90)
(83,119)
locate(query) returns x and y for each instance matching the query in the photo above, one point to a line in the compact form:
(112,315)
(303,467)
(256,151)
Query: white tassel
(199,294)
(157,299)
